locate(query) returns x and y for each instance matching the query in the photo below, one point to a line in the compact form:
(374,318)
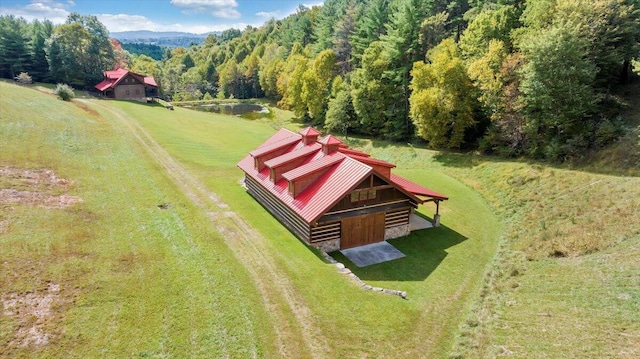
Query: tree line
(76,52)
(515,77)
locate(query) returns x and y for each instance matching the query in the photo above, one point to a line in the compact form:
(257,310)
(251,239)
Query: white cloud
(218,8)
(125,22)
(57,12)
(268,14)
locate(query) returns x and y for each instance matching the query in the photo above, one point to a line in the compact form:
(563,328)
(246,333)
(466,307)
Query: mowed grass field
(531,261)
(114,276)
(442,271)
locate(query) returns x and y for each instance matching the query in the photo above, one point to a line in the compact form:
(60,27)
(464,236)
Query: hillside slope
(566,282)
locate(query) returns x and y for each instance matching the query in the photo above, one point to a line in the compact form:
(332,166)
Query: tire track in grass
(298,337)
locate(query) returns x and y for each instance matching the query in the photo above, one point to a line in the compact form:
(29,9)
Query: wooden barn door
(361,230)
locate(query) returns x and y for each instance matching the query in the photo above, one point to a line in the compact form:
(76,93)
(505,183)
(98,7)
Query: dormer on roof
(304,176)
(288,161)
(382,167)
(330,196)
(272,150)
(330,144)
(309,135)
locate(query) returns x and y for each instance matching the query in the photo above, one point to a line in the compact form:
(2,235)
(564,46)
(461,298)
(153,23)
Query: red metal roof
(310,131)
(330,140)
(112,78)
(105,84)
(274,144)
(293,155)
(149,80)
(313,166)
(371,161)
(314,201)
(344,170)
(351,151)
(416,188)
(330,188)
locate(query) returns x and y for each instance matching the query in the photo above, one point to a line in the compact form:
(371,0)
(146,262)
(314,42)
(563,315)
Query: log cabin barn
(331,196)
(126,85)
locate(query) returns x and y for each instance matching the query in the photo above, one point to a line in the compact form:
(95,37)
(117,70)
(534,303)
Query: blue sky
(197,16)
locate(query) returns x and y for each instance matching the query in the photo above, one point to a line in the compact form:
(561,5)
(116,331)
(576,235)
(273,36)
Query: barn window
(363,195)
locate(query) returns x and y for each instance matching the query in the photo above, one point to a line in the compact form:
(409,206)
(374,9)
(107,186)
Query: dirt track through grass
(297,335)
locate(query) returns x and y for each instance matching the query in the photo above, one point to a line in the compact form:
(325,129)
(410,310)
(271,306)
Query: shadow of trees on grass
(424,250)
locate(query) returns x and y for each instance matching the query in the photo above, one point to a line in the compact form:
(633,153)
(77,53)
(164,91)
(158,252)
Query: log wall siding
(279,210)
(388,194)
(130,91)
(396,218)
(325,232)
(383,207)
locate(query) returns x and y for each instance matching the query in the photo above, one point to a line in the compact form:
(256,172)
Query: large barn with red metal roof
(124,84)
(329,195)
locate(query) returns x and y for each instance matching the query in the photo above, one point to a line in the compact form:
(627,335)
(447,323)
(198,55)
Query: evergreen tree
(344,30)
(325,24)
(14,46)
(402,44)
(370,26)
(39,68)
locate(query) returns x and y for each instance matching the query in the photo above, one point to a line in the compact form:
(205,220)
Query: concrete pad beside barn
(372,254)
(416,222)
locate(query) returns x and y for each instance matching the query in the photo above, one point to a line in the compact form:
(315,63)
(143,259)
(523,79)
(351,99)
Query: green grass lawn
(443,268)
(136,280)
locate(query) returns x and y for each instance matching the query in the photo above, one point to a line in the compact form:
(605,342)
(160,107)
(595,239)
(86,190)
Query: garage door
(361,230)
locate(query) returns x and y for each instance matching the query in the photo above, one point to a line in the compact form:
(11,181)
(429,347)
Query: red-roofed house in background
(124,84)
(330,196)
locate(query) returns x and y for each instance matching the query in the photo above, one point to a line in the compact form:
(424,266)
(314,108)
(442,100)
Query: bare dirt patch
(35,187)
(32,312)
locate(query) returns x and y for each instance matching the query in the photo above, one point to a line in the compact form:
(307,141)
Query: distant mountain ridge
(171,39)
(148,34)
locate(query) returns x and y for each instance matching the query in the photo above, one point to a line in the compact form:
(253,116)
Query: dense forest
(153,51)
(514,77)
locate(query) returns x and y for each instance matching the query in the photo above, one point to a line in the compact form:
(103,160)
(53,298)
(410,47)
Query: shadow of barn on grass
(424,250)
